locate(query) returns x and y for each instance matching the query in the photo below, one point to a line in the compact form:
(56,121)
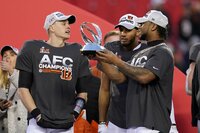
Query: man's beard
(143,37)
(125,44)
(129,44)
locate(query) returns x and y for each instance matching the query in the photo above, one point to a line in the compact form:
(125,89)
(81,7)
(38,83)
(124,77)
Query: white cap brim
(126,25)
(142,20)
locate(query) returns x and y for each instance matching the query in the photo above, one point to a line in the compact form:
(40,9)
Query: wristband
(35,112)
(80,102)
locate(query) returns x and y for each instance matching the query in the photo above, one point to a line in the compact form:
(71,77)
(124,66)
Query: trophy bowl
(91,47)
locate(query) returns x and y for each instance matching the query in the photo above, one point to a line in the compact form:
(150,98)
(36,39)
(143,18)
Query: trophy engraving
(91,47)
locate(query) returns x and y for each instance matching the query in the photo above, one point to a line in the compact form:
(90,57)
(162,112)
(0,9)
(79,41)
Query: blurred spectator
(195,94)
(196,18)
(12,112)
(111,36)
(194,50)
(189,32)
(185,24)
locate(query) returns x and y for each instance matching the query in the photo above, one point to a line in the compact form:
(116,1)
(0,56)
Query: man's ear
(51,28)
(154,27)
(138,33)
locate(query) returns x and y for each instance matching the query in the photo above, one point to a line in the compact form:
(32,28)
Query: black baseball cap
(8,47)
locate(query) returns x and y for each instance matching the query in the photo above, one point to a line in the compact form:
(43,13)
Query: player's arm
(83,95)
(26,98)
(81,99)
(189,77)
(25,82)
(112,72)
(104,97)
(81,87)
(141,75)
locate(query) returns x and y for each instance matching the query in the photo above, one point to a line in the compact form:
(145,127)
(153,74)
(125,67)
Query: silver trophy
(91,47)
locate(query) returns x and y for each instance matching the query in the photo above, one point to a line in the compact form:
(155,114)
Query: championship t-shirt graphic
(58,64)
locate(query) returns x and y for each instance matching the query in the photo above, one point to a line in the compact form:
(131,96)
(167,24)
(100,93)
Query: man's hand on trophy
(107,56)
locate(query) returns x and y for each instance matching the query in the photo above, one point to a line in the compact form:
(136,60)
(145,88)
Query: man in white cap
(112,97)
(158,18)
(52,78)
(150,77)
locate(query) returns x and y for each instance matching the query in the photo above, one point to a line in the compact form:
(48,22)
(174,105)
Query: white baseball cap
(156,17)
(128,21)
(7,47)
(57,16)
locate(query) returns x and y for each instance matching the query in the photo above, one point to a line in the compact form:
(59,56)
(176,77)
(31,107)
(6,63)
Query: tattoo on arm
(139,74)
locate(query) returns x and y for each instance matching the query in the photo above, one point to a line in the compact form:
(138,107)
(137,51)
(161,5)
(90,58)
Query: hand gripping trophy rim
(91,47)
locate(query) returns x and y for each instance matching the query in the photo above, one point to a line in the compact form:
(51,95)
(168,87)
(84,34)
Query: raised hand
(107,56)
(7,66)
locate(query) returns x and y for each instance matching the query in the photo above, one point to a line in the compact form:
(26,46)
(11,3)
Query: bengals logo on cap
(129,17)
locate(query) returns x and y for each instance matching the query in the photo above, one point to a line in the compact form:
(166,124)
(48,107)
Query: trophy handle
(97,37)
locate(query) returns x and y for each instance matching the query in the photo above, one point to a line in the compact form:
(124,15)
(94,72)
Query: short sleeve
(112,46)
(84,66)
(24,58)
(198,66)
(195,90)
(160,62)
(194,50)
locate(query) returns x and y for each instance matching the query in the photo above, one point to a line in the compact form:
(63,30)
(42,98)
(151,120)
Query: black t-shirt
(194,50)
(196,92)
(55,73)
(92,101)
(149,105)
(117,107)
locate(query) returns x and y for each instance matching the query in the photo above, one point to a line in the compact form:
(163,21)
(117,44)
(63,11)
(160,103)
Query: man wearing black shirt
(52,78)
(150,76)
(112,97)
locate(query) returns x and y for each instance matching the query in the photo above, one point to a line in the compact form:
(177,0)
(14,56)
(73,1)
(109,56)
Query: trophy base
(90,50)
(89,53)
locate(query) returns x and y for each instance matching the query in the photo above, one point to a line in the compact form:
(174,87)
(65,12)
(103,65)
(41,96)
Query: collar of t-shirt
(153,43)
(138,46)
